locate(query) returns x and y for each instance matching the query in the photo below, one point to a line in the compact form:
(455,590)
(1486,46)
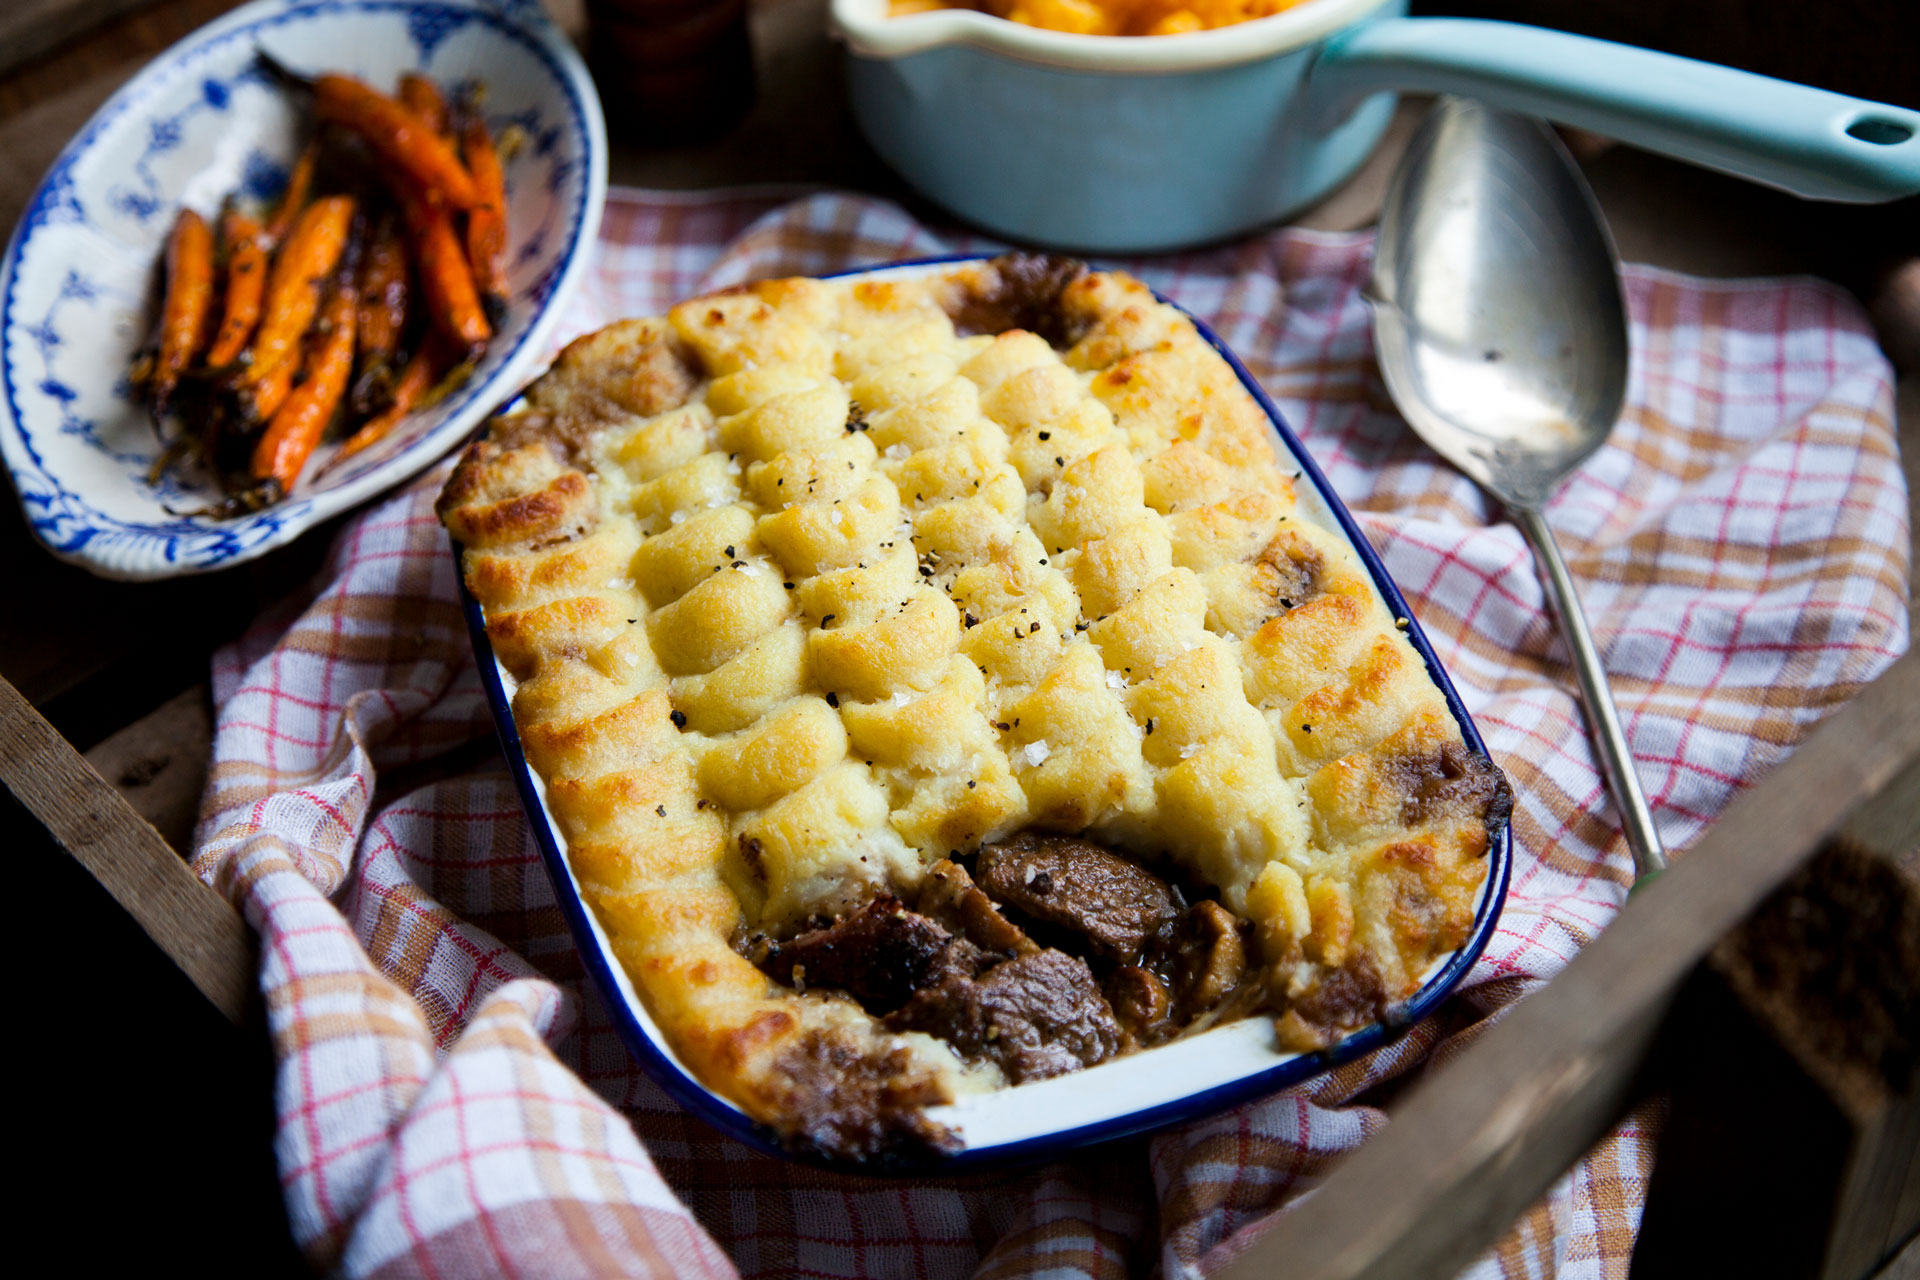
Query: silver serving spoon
(1502,335)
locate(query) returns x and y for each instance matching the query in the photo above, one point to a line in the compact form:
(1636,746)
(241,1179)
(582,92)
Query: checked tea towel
(453,1100)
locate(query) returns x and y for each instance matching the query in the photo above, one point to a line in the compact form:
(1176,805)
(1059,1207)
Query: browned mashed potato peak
(937,689)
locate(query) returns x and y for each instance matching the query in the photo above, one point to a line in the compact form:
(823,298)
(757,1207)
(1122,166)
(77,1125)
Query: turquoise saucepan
(1120,144)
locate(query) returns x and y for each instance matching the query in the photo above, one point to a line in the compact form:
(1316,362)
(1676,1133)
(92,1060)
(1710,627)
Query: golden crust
(631,367)
(811,584)
(500,497)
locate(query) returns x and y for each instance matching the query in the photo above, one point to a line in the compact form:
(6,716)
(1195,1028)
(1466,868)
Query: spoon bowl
(1501,333)
(1499,323)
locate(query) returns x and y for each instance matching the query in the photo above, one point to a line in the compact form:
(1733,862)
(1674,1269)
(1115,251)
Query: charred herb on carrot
(297,425)
(255,403)
(384,294)
(446,281)
(246,249)
(390,128)
(422,96)
(312,250)
(397,135)
(408,390)
(293,198)
(487,220)
(184,310)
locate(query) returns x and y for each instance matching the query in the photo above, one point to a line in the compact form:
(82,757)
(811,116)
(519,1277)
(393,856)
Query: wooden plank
(124,41)
(1793,1069)
(28,28)
(1905,1265)
(1888,826)
(159,763)
(1853,1028)
(94,823)
(1481,1138)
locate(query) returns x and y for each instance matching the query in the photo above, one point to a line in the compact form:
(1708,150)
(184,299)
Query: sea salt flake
(896,451)
(1192,749)
(1115,680)
(1033,754)
(901,697)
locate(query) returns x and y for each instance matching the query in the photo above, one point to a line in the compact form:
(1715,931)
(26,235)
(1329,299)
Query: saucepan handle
(1821,145)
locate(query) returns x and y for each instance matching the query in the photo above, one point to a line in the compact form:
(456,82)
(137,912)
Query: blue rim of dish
(249,531)
(686,1090)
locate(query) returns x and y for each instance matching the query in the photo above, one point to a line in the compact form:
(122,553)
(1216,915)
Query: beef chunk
(1341,1002)
(1037,1016)
(949,896)
(1453,782)
(1076,885)
(843,1100)
(1019,291)
(1141,1003)
(1207,959)
(1289,570)
(880,955)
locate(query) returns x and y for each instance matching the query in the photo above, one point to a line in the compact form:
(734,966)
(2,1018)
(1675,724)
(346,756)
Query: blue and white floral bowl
(79,283)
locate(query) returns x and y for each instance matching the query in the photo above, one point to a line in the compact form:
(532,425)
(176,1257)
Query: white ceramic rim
(302,511)
(871,33)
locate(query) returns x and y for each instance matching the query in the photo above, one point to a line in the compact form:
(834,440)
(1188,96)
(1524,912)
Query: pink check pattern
(454,1101)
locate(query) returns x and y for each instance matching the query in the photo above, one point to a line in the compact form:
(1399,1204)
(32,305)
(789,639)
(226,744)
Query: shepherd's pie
(937,689)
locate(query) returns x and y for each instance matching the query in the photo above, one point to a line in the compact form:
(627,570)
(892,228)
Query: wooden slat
(159,763)
(1481,1139)
(1905,1265)
(29,28)
(1792,1065)
(94,823)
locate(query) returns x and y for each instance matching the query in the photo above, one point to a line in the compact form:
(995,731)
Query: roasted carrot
(294,198)
(296,427)
(446,281)
(413,383)
(487,220)
(246,248)
(397,135)
(383,314)
(256,402)
(312,250)
(184,310)
(422,96)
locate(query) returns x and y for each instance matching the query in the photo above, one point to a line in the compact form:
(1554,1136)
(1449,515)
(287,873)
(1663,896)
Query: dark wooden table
(153,1081)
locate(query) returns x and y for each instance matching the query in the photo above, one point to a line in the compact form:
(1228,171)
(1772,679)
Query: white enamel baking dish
(1184,1080)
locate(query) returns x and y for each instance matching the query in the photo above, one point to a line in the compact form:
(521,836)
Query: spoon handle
(1610,743)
